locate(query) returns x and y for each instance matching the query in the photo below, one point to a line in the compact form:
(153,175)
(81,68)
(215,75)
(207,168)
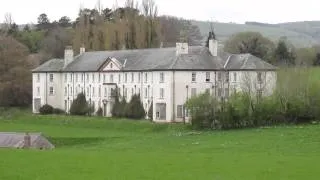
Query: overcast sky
(239,11)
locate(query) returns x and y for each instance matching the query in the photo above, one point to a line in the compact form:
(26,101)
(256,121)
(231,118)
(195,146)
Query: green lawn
(98,148)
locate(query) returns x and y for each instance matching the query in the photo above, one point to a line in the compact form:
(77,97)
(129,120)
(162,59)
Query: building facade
(165,78)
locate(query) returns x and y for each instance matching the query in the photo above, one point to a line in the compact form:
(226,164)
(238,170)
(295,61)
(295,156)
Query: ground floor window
(179,111)
(51,91)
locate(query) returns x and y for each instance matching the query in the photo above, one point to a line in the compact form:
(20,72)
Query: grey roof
(247,62)
(16,140)
(198,58)
(53,65)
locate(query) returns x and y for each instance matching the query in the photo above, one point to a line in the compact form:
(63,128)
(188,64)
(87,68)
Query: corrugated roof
(198,58)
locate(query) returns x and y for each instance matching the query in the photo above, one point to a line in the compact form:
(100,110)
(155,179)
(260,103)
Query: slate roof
(247,62)
(198,58)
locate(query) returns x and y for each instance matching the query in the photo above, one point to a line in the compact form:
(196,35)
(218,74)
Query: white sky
(239,11)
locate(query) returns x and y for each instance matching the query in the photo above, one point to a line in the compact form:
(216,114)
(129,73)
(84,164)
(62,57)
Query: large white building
(164,77)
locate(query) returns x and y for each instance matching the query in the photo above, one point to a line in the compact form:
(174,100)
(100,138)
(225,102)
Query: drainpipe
(173,96)
(46,88)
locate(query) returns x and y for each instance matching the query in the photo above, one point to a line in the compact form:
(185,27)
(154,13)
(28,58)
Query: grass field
(98,148)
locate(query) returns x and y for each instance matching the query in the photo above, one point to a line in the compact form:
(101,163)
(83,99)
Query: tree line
(131,26)
(280,53)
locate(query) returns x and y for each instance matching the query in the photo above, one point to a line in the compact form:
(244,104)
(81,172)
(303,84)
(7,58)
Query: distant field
(298,37)
(99,148)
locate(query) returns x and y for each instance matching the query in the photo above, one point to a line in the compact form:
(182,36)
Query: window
(259,93)
(119,78)
(179,111)
(219,92)
(111,78)
(87,92)
(87,77)
(38,77)
(99,91)
(234,77)
(65,77)
(207,76)
(65,91)
(70,78)
(111,65)
(161,93)
(38,91)
(146,93)
(139,77)
(82,77)
(125,77)
(76,77)
(219,76)
(193,79)
(145,77)
(132,77)
(227,76)
(105,92)
(93,92)
(259,77)
(161,77)
(51,92)
(99,78)
(51,77)
(226,92)
(193,92)
(93,78)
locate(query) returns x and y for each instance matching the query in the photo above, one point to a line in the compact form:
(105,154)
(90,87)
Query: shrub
(79,106)
(46,109)
(150,112)
(100,112)
(58,111)
(134,109)
(116,109)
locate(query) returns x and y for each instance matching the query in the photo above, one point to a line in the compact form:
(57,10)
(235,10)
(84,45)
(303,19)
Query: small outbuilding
(24,140)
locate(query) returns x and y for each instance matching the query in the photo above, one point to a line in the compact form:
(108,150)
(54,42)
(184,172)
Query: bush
(80,106)
(100,112)
(150,112)
(134,109)
(116,109)
(46,109)
(58,111)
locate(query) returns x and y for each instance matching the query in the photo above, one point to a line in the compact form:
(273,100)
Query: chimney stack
(68,55)
(82,49)
(182,48)
(213,47)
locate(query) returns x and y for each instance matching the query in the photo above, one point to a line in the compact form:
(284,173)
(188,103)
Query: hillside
(299,33)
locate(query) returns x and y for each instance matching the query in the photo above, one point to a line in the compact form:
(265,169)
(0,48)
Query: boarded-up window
(161,93)
(220,92)
(193,92)
(179,111)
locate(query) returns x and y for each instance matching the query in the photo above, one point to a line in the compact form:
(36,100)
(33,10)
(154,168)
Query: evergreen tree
(150,112)
(283,55)
(80,106)
(134,109)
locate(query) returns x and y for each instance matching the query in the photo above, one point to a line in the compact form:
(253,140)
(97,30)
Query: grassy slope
(93,148)
(225,30)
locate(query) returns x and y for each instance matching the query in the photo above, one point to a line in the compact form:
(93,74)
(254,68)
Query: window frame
(51,91)
(193,77)
(51,78)
(208,77)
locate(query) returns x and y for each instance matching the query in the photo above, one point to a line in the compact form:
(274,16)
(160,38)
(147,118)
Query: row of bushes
(295,100)
(47,109)
(132,110)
